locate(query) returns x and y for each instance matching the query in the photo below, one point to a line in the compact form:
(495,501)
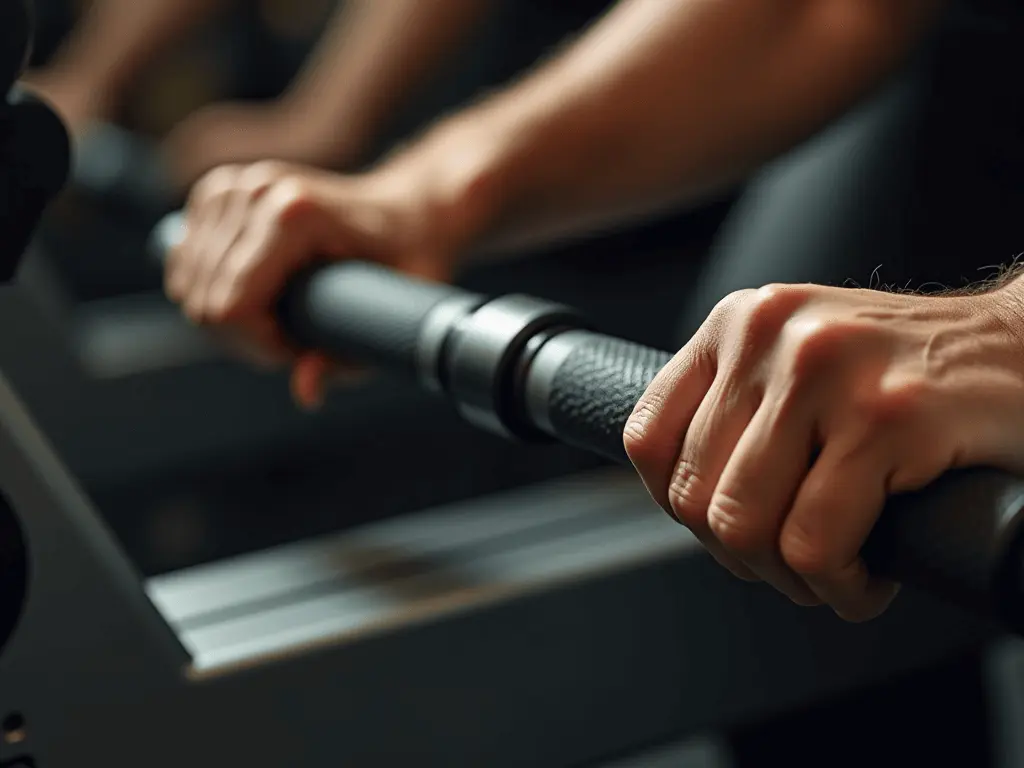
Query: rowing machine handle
(532,370)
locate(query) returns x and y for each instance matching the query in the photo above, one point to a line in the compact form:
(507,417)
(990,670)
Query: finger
(654,433)
(835,509)
(276,243)
(314,373)
(712,435)
(221,236)
(174,282)
(201,216)
(309,377)
(756,489)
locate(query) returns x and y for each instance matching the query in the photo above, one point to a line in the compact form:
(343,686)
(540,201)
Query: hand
(245,133)
(777,432)
(250,228)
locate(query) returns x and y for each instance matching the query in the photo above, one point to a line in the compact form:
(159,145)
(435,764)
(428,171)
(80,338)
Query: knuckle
(776,301)
(898,399)
(768,297)
(290,198)
(875,409)
(816,343)
(262,174)
(806,555)
(193,310)
(636,435)
(723,312)
(686,496)
(813,344)
(173,288)
(904,393)
(765,313)
(213,184)
(221,307)
(737,532)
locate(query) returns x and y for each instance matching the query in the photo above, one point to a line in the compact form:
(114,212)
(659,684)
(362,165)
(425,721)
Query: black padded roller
(959,538)
(362,312)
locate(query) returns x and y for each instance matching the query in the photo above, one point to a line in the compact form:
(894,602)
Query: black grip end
(959,538)
(361,312)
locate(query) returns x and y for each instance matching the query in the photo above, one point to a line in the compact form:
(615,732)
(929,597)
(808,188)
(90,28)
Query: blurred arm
(659,104)
(372,58)
(117,38)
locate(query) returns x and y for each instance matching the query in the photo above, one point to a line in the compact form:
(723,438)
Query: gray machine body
(549,626)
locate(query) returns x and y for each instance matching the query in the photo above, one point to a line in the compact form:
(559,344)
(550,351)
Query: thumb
(308,380)
(314,372)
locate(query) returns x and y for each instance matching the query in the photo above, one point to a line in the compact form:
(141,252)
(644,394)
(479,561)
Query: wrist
(453,179)
(469,175)
(1006,305)
(318,120)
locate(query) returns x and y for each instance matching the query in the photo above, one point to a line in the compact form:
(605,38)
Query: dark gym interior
(381,572)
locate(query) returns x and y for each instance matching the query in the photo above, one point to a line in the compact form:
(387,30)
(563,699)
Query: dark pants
(920,187)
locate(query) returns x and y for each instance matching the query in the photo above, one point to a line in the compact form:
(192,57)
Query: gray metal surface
(480,350)
(1006,687)
(698,752)
(426,566)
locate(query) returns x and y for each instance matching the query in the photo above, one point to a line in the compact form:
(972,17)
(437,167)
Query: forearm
(374,56)
(662,102)
(116,38)
(1004,295)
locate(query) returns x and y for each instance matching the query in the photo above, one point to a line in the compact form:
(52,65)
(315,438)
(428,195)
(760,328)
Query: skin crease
(776,433)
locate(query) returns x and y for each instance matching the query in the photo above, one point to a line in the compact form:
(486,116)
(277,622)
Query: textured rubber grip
(958,539)
(362,312)
(596,388)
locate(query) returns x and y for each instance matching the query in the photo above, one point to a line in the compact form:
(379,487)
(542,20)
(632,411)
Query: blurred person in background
(370,61)
(659,105)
